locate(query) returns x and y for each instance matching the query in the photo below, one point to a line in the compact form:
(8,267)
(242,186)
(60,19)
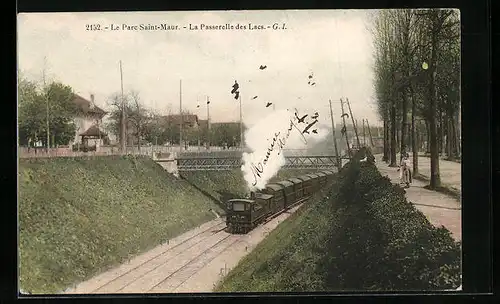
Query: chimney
(92,100)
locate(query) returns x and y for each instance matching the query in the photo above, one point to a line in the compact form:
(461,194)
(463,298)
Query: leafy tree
(34,103)
(225,133)
(417,57)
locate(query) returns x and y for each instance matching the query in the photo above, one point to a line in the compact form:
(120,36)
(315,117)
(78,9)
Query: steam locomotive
(244,214)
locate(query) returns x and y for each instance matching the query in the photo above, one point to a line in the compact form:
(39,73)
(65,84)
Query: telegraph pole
(339,161)
(208,122)
(370,133)
(180,113)
(123,133)
(47,102)
(364,134)
(345,128)
(241,126)
(353,123)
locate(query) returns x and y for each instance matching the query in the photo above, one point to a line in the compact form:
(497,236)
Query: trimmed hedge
(393,246)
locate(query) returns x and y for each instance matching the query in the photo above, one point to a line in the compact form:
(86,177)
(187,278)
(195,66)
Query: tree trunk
(428,137)
(393,136)
(404,123)
(414,135)
(139,142)
(453,131)
(385,158)
(398,134)
(449,137)
(435,179)
(442,132)
(457,134)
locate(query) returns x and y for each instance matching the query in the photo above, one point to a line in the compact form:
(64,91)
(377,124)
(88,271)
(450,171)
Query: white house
(89,122)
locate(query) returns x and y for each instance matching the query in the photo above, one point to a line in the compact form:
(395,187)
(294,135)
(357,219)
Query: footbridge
(186,163)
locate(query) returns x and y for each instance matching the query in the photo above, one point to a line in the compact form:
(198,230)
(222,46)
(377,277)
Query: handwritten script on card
(278,143)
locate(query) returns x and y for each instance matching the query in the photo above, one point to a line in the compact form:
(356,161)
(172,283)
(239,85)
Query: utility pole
(345,128)
(364,134)
(339,161)
(208,122)
(353,123)
(123,131)
(181,116)
(199,128)
(370,133)
(241,126)
(47,102)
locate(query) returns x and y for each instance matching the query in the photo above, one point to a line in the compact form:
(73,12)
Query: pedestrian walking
(404,171)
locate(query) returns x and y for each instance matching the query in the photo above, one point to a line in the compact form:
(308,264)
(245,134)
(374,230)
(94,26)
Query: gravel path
(440,209)
(193,262)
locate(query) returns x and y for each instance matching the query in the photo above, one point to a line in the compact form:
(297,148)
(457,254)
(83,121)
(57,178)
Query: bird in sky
(198,106)
(301,119)
(315,131)
(268,104)
(262,67)
(235,87)
(254,97)
(315,115)
(313,83)
(309,126)
(310,76)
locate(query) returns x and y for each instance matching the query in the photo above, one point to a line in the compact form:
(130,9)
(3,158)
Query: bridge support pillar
(170,164)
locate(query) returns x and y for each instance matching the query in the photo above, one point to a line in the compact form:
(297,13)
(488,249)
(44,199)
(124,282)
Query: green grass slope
(361,234)
(81,216)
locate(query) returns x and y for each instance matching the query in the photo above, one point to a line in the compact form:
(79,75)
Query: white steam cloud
(268,138)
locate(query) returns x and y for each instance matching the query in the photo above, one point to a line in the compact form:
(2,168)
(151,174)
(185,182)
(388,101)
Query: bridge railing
(229,163)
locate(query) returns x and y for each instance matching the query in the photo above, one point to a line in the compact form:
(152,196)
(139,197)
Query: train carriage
(289,191)
(278,200)
(306,184)
(314,182)
(298,187)
(321,179)
(329,175)
(245,214)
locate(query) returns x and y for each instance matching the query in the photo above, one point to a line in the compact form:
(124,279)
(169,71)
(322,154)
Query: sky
(334,46)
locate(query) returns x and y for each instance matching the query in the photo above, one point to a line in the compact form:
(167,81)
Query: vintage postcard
(239,151)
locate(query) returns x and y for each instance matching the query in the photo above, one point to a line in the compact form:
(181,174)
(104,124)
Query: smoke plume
(267,139)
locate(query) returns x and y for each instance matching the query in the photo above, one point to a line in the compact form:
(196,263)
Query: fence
(190,152)
(24,152)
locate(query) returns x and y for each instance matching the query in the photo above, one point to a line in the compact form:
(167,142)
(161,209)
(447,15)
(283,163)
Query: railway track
(141,279)
(191,263)
(103,283)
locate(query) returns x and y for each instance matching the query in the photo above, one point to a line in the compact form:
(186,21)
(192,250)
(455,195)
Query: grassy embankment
(228,184)
(81,216)
(362,235)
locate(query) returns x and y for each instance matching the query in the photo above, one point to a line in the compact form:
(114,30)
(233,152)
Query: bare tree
(138,116)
